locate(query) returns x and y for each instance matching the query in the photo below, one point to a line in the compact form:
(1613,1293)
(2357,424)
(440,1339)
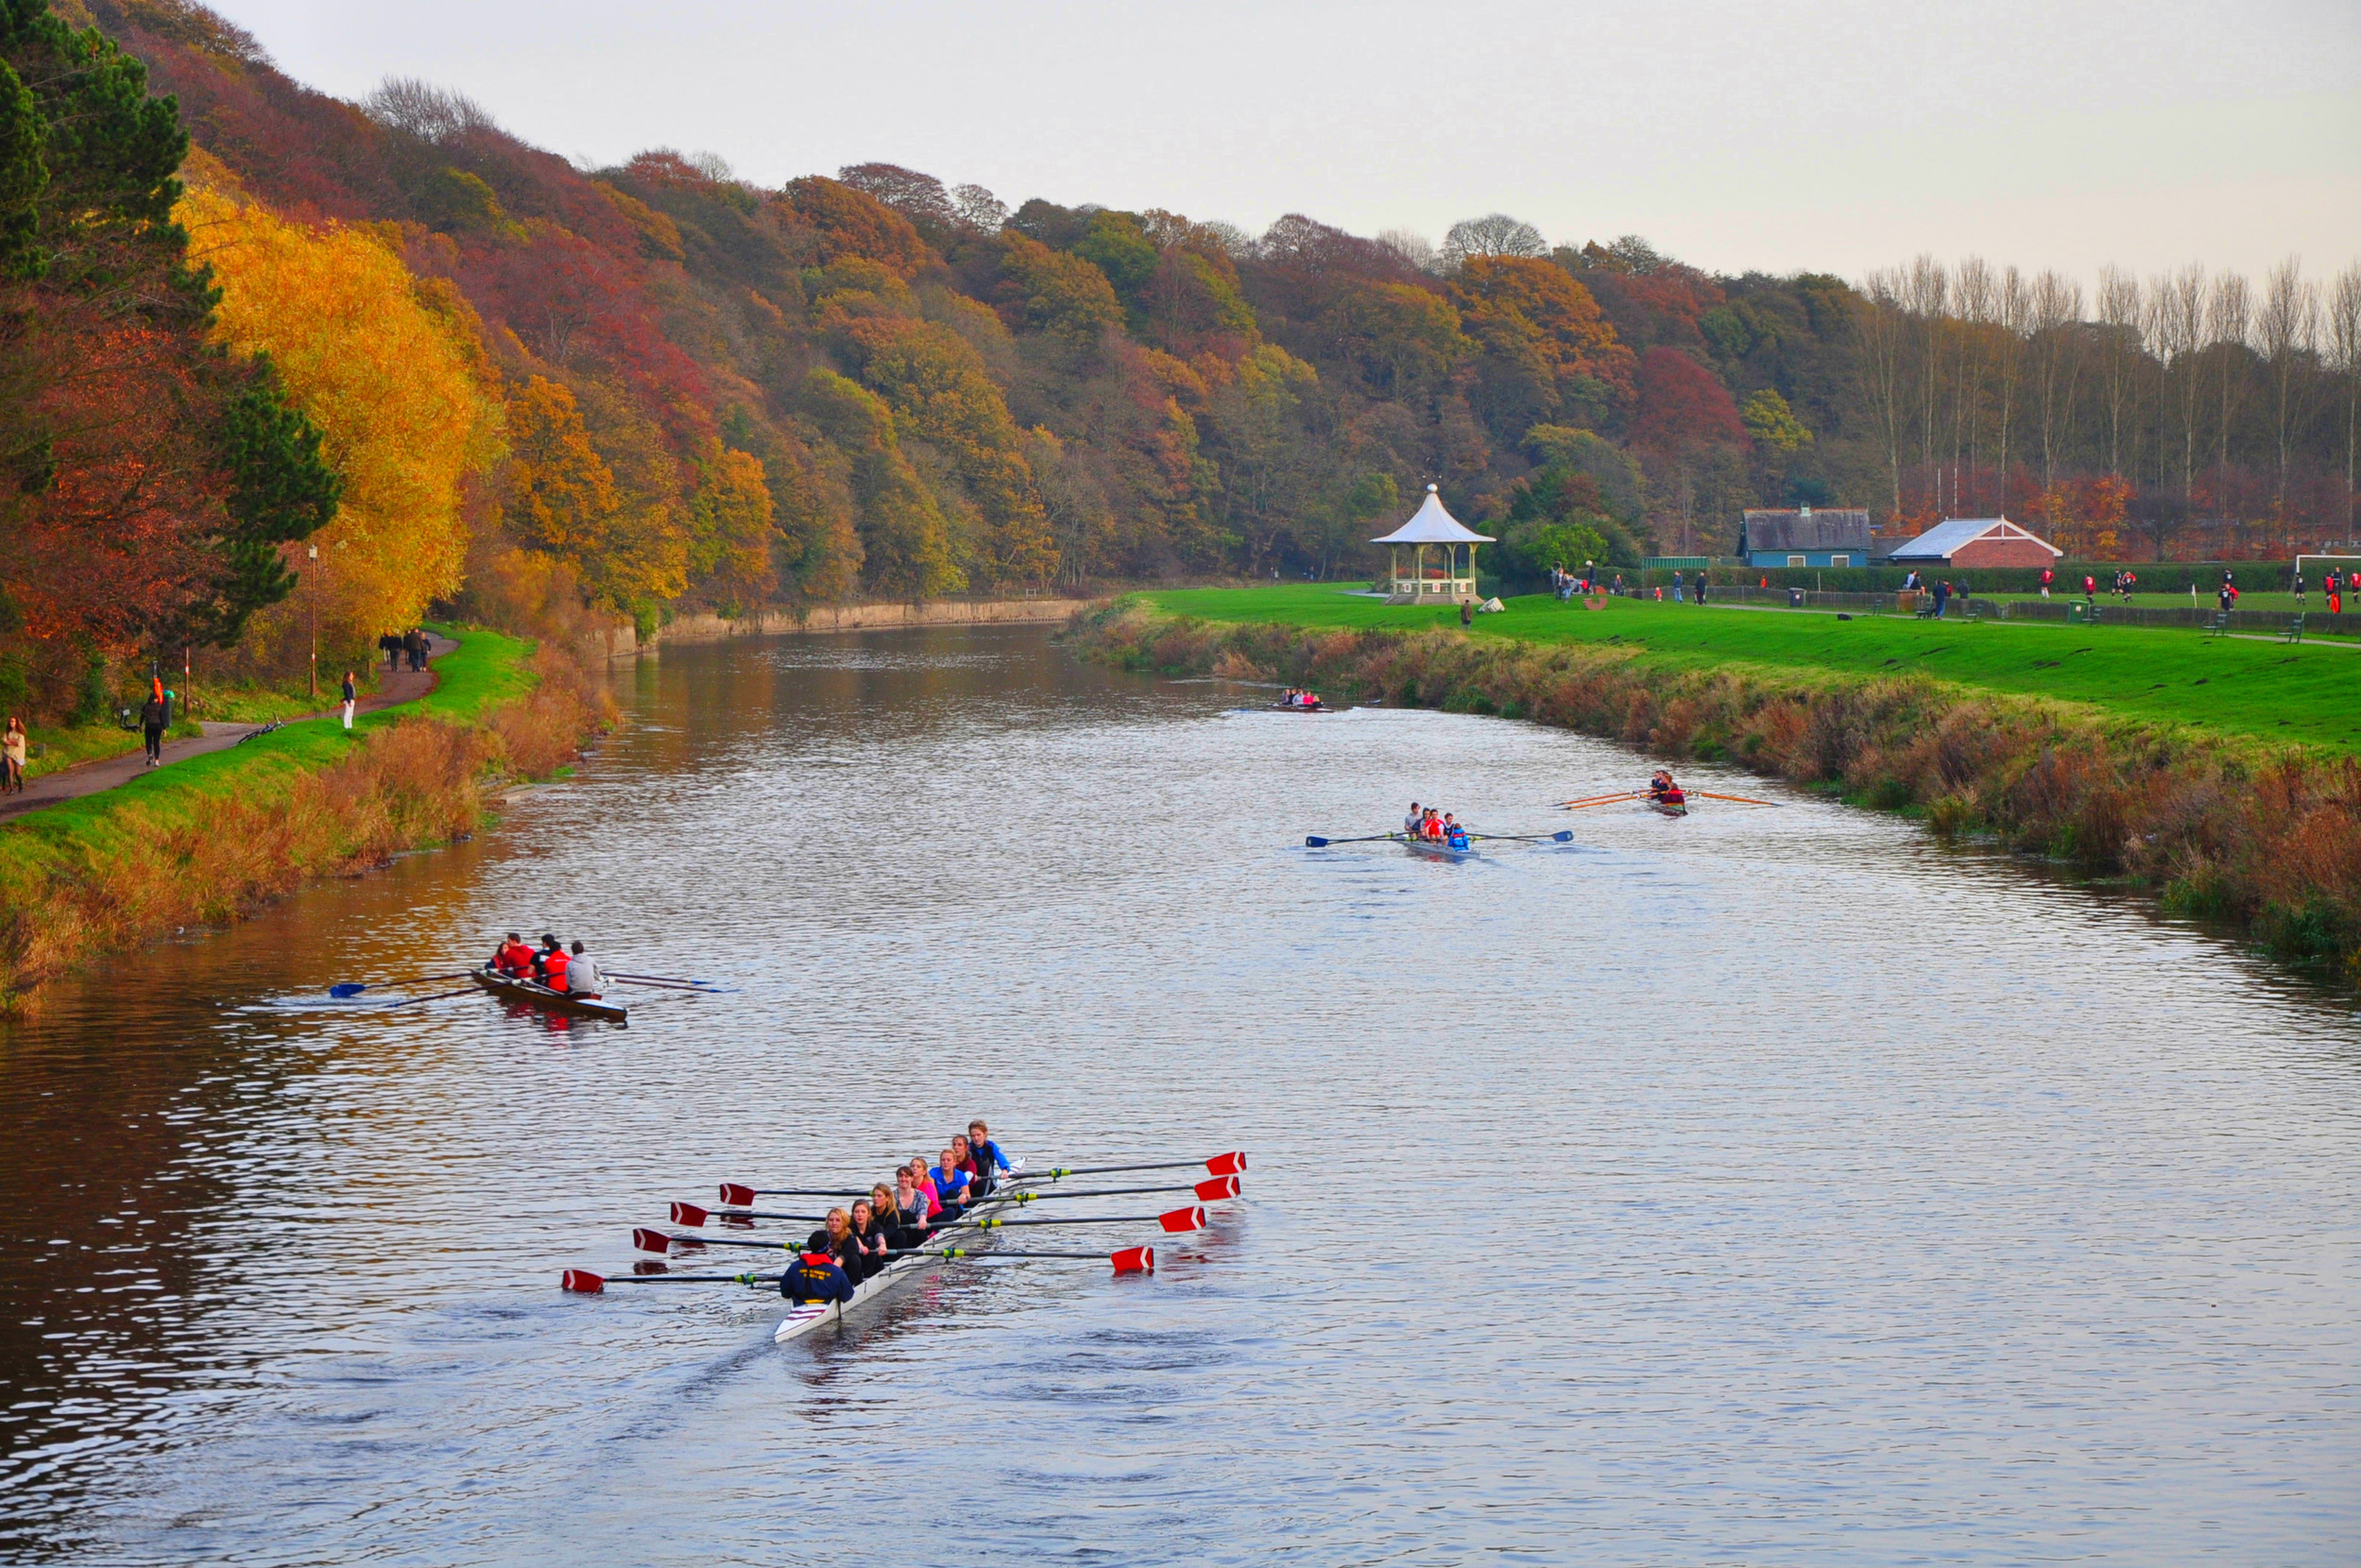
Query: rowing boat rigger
(967,1236)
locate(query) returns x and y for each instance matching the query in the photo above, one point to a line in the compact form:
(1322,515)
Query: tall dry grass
(2266,836)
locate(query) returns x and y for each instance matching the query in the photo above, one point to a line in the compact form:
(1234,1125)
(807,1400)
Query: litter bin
(1795,598)
(2075,615)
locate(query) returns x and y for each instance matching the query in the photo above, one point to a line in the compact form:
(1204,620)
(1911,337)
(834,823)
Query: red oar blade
(583,1281)
(1226,1165)
(1191,1218)
(1214,1189)
(736,1196)
(688,1213)
(1135,1260)
(651,1241)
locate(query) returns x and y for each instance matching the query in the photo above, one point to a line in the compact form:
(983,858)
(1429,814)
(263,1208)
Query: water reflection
(1763,1186)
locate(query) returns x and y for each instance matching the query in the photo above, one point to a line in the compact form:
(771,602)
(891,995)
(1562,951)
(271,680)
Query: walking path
(399,686)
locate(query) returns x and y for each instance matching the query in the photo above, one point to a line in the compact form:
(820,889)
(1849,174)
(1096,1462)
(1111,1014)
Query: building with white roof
(1442,564)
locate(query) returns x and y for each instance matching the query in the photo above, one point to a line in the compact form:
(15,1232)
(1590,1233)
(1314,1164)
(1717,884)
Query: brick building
(1966,542)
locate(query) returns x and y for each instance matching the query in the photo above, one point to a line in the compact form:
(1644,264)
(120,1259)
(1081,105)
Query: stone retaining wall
(624,643)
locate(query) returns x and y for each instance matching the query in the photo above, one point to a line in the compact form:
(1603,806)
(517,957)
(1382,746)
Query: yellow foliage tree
(391,369)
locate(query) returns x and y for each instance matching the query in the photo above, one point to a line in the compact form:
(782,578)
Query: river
(1771,1187)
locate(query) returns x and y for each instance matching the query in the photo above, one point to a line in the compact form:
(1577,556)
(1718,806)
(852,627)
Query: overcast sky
(1834,135)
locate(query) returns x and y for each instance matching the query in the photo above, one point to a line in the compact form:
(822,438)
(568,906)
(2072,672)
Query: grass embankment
(205,839)
(2217,772)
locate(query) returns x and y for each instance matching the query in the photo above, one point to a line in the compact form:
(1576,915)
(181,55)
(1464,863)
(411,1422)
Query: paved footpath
(400,686)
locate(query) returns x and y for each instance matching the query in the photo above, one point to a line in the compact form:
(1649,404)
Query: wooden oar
(1743,800)
(1602,800)
(353,988)
(1564,835)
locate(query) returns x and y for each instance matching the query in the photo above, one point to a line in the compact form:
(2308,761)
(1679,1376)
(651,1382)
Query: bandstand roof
(1431,524)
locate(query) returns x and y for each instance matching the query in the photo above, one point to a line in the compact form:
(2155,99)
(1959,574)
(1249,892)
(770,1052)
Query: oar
(1602,800)
(733,1193)
(674,985)
(1743,800)
(1564,835)
(1131,1260)
(353,988)
(582,1280)
(439,995)
(1178,1220)
(1312,841)
(657,980)
(1221,1165)
(1212,1190)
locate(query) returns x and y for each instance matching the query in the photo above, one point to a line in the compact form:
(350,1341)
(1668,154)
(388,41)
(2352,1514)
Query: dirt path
(400,686)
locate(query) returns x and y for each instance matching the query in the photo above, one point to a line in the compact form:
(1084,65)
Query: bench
(2295,628)
(2219,625)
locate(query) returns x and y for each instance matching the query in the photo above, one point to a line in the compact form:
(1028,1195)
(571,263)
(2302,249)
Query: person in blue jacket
(815,1275)
(989,1161)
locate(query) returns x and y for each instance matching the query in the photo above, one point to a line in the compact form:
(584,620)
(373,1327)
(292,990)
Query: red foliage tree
(1682,405)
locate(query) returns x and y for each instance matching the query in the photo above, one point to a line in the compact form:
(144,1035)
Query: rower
(1409,823)
(582,976)
(867,1238)
(914,1195)
(952,1183)
(1432,828)
(815,1275)
(549,964)
(990,1162)
(513,957)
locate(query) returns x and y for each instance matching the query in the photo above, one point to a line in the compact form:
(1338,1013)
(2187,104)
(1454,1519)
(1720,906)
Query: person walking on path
(2047,577)
(12,757)
(1942,597)
(153,718)
(351,696)
(1467,614)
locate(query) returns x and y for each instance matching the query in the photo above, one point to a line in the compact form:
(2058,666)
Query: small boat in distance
(1438,849)
(508,988)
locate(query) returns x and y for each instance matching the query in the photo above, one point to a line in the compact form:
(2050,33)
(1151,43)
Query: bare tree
(977,209)
(429,112)
(2180,328)
(919,198)
(1978,295)
(1926,292)
(2119,317)
(1494,234)
(1415,249)
(2015,315)
(2289,330)
(2228,309)
(2344,336)
(1884,329)
(2056,316)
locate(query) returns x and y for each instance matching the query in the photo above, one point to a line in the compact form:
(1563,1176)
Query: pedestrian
(1676,588)
(390,646)
(1700,588)
(1943,596)
(153,721)
(2090,589)
(1467,612)
(2047,577)
(418,648)
(2328,585)
(351,696)
(2223,595)
(12,757)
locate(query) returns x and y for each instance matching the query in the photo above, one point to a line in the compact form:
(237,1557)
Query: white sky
(1835,135)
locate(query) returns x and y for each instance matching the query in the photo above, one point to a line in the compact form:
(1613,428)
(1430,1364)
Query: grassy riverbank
(205,839)
(2218,774)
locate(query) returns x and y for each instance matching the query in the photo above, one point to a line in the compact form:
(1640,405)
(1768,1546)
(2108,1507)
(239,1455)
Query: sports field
(2266,689)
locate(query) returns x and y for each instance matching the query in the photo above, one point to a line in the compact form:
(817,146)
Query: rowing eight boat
(806,1316)
(533,993)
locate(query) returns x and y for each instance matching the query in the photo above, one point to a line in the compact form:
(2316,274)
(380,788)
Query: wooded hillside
(659,387)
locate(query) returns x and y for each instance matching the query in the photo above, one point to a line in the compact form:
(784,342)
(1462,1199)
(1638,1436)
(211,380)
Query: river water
(1771,1187)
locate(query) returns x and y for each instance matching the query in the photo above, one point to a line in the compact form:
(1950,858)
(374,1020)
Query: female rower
(867,1238)
(990,1162)
(951,1183)
(914,1199)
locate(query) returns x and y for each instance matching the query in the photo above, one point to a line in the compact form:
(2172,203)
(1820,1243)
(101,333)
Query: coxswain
(582,976)
(815,1275)
(549,964)
(1454,834)
(513,958)
(990,1162)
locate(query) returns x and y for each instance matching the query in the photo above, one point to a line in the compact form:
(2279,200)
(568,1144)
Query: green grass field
(487,669)
(2267,690)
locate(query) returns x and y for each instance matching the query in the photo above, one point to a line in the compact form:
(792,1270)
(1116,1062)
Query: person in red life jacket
(952,1183)
(549,964)
(815,1275)
(513,958)
(1432,828)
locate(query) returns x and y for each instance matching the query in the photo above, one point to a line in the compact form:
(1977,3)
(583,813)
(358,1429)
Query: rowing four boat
(533,993)
(806,1316)
(1432,848)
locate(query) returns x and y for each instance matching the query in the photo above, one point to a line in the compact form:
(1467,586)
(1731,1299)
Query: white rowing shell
(802,1320)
